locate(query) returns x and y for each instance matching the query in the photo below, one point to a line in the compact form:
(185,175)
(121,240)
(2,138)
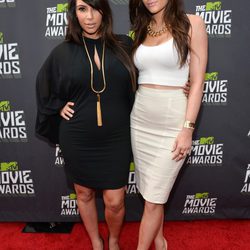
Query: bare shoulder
(198,33)
(196,22)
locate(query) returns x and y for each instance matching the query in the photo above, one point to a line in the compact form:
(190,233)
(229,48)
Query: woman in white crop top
(169,48)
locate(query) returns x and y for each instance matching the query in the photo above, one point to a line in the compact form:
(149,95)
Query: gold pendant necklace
(98,102)
(153,33)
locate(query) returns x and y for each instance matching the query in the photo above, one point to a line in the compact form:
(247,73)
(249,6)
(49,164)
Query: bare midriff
(155,86)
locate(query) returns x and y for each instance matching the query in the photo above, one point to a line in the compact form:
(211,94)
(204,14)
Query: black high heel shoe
(166,244)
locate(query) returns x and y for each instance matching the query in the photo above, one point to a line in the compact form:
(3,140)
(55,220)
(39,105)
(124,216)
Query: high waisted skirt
(156,120)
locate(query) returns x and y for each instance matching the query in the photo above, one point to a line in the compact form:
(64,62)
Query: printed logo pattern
(69,205)
(246,186)
(131,187)
(200,203)
(59,161)
(15,182)
(205,152)
(56,21)
(218,21)
(12,124)
(215,90)
(9,59)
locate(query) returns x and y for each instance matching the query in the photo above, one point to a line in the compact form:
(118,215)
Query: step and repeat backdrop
(214,182)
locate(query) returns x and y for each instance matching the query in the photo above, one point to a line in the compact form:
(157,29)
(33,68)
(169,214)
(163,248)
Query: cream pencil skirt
(157,117)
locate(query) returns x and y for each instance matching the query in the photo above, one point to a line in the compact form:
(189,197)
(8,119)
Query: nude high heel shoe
(165,244)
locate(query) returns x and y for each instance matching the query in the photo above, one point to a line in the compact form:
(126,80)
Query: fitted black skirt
(97,157)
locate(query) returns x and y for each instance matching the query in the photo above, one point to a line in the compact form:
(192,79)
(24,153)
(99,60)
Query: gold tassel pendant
(99,111)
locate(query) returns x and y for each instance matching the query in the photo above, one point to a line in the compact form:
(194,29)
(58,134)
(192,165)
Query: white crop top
(159,65)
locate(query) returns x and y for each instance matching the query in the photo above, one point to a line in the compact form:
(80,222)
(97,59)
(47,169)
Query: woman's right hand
(186,88)
(67,112)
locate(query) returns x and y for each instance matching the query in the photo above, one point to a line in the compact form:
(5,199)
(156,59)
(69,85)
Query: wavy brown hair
(175,18)
(112,41)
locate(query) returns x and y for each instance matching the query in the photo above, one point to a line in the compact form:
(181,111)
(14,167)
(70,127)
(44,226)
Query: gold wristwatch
(189,124)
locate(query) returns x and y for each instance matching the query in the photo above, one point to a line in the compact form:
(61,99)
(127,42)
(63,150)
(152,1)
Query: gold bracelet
(189,124)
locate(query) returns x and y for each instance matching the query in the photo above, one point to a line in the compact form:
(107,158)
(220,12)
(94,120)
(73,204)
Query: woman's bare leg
(159,241)
(150,224)
(114,214)
(87,208)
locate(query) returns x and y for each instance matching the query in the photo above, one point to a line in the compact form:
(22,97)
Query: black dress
(95,157)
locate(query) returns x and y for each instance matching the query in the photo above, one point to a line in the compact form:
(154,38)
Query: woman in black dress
(88,80)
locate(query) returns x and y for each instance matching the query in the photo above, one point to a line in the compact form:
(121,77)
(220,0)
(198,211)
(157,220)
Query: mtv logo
(1,37)
(206,140)
(62,7)
(201,195)
(131,34)
(132,167)
(213,6)
(4,106)
(213,76)
(9,166)
(72,196)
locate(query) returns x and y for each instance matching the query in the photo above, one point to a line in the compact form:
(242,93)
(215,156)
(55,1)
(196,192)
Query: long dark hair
(74,33)
(175,18)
